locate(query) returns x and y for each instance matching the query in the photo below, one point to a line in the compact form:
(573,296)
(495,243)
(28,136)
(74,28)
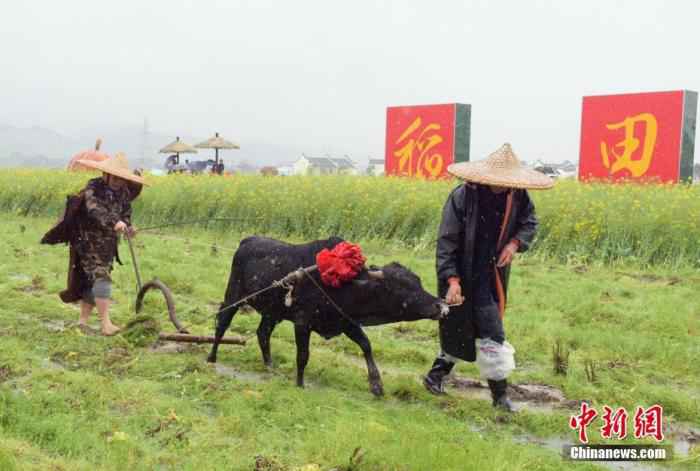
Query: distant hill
(41,147)
(33,146)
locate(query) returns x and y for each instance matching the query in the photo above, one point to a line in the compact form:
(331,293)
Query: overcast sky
(318,75)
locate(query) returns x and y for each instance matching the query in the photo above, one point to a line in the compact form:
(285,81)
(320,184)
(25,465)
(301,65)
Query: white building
(566,169)
(306,165)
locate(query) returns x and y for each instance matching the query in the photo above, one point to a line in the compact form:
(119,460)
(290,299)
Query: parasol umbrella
(92,154)
(178,147)
(217,143)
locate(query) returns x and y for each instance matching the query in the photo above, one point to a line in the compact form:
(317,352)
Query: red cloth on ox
(341,264)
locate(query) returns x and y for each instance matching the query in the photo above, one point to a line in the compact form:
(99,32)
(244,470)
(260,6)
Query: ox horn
(375,274)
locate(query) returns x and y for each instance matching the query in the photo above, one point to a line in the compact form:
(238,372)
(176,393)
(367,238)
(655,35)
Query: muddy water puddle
(57,326)
(684,438)
(557,444)
(538,398)
(173,347)
(230,372)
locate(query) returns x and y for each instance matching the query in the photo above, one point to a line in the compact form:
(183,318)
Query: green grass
(73,402)
(640,224)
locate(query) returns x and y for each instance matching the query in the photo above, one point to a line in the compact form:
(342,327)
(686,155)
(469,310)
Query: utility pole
(145,143)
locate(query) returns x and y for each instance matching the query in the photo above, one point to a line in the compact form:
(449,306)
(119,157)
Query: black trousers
(488,323)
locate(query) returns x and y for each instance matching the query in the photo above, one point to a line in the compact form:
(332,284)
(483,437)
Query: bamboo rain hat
(501,168)
(117,166)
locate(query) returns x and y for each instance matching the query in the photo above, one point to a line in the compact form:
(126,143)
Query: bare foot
(109,330)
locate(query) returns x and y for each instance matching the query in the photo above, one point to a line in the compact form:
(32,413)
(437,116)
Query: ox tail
(234,289)
(224,316)
(233,292)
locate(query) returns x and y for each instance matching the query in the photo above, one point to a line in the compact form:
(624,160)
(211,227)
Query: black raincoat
(455,256)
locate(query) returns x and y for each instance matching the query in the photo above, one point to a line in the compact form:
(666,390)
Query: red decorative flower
(341,264)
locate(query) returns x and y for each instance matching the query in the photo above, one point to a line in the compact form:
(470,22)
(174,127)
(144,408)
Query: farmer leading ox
(375,296)
(485,221)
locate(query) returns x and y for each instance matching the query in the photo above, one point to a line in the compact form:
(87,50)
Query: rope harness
(289,283)
(330,300)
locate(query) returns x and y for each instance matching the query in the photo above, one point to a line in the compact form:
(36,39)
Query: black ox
(377,296)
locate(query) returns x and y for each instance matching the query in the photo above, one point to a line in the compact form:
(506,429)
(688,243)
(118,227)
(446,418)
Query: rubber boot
(433,380)
(499,394)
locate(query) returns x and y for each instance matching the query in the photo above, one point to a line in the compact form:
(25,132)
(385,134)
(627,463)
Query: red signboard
(635,136)
(421,141)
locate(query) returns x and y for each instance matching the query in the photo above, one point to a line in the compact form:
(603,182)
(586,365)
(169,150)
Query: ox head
(396,294)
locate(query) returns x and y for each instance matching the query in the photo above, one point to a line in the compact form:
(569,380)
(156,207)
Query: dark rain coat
(455,256)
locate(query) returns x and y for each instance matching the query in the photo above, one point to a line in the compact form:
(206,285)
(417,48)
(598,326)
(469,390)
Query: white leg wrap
(495,361)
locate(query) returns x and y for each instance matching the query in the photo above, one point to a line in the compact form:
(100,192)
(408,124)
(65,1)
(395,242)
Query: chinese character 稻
(420,141)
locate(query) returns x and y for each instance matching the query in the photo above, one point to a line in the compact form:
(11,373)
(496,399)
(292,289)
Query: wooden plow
(182,334)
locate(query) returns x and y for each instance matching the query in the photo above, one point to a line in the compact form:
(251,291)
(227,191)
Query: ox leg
(267,325)
(223,321)
(357,335)
(302,335)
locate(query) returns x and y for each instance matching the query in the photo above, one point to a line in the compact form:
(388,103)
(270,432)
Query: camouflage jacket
(104,207)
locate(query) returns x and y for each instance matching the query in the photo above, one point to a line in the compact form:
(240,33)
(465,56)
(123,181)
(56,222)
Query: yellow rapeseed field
(647,223)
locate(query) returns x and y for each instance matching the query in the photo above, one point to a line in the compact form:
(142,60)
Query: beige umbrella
(178,147)
(217,143)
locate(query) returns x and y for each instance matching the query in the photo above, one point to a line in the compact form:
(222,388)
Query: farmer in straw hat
(485,221)
(106,213)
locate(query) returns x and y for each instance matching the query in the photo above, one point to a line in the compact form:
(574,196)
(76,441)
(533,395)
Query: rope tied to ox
(286,283)
(196,221)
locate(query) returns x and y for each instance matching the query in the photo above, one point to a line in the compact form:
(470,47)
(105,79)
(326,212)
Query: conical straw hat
(501,168)
(117,166)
